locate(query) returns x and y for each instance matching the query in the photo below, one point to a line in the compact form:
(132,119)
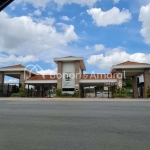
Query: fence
(6,90)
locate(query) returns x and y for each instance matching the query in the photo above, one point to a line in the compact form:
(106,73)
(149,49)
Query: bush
(120,93)
(58,92)
(66,95)
(15,95)
(76,93)
(148,91)
(22,93)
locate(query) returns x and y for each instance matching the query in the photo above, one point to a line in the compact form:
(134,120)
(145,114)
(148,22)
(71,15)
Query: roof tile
(131,63)
(15,66)
(83,76)
(43,77)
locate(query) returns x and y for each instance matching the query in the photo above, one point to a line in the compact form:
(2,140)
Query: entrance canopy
(16,70)
(130,69)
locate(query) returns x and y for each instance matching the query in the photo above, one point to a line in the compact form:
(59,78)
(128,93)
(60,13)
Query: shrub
(15,95)
(120,93)
(66,95)
(22,93)
(148,91)
(76,93)
(58,92)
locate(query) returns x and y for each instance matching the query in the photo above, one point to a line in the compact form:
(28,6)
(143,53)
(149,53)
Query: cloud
(144,17)
(36,3)
(65,18)
(116,1)
(17,59)
(83,22)
(87,47)
(44,3)
(99,47)
(116,56)
(96,47)
(28,36)
(37,12)
(12,80)
(48,72)
(111,17)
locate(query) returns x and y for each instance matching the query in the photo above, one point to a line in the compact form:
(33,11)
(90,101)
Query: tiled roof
(43,77)
(131,63)
(84,77)
(15,66)
(97,76)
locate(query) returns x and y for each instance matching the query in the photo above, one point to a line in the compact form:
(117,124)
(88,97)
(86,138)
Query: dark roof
(4,3)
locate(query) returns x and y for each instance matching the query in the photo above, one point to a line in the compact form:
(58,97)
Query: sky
(103,32)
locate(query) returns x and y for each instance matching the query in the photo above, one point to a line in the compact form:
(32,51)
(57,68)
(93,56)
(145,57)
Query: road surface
(55,125)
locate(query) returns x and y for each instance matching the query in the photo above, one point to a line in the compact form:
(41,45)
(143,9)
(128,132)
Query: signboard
(68,80)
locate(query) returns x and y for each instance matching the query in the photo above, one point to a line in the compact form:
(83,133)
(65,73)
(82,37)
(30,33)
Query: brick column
(113,88)
(134,87)
(22,79)
(81,92)
(1,77)
(77,78)
(59,80)
(146,82)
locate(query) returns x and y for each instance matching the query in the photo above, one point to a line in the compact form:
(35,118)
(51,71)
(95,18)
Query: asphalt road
(74,125)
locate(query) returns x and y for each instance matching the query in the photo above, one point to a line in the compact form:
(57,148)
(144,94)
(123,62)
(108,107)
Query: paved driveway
(56,125)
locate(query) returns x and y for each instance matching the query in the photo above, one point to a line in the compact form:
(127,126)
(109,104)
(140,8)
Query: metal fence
(6,90)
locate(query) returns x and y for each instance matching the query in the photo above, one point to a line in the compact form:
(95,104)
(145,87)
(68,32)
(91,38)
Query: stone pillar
(146,82)
(59,79)
(1,77)
(134,87)
(77,74)
(22,79)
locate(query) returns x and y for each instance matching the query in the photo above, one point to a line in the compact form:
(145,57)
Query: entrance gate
(97,92)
